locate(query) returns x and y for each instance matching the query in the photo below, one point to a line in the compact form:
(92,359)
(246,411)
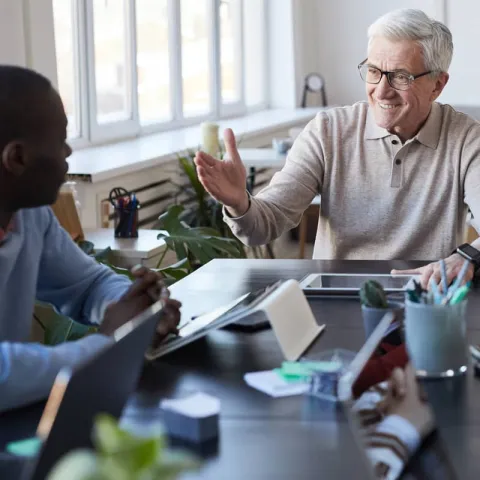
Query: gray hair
(434,38)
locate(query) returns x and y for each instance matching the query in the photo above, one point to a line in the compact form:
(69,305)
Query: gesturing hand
(225,180)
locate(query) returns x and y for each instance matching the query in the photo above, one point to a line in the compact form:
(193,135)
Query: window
(128,67)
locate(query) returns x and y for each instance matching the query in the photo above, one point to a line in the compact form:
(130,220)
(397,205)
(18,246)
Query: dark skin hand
(146,290)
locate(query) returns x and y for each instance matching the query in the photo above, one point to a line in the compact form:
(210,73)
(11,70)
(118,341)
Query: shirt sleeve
(390,445)
(471,166)
(28,370)
(73,282)
(280,206)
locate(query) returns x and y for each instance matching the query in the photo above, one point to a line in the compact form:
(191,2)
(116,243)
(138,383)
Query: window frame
(91,132)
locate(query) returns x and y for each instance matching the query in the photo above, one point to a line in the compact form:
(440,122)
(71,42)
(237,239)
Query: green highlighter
(459,295)
(28,447)
(293,372)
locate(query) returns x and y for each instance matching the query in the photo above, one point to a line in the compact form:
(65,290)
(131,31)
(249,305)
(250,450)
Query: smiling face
(402,112)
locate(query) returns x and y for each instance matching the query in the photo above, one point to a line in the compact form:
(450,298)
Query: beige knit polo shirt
(379,199)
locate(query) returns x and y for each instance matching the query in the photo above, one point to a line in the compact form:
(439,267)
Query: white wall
(463,19)
(340,43)
(26,35)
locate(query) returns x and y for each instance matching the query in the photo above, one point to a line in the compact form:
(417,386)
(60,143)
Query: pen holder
(436,338)
(126,222)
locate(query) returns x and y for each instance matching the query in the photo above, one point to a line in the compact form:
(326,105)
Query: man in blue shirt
(38,259)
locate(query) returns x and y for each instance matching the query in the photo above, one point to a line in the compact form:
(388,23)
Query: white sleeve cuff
(402,429)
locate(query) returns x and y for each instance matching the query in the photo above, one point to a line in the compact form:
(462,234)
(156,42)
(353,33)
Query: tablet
(199,326)
(351,283)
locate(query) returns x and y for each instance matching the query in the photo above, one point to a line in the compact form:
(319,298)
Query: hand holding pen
(148,287)
(442,293)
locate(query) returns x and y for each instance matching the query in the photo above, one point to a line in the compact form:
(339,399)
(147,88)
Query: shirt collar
(429,134)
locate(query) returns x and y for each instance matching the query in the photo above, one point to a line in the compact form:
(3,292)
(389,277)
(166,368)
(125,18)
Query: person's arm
(73,282)
(280,206)
(395,417)
(470,175)
(27,370)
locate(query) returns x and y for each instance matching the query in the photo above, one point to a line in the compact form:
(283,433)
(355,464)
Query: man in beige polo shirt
(396,174)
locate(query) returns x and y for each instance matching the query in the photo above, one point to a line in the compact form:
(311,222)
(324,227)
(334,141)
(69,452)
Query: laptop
(101,384)
(365,383)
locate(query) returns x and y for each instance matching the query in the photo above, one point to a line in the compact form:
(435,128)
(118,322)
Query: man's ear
(440,83)
(14,158)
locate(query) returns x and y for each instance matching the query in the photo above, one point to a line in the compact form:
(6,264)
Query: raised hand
(225,180)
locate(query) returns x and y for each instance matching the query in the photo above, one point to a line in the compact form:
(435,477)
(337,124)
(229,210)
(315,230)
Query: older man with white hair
(396,174)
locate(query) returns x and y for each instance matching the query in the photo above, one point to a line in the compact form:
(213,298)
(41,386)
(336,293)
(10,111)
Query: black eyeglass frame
(387,73)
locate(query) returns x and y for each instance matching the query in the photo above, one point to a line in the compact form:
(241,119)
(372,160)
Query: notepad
(272,384)
(198,405)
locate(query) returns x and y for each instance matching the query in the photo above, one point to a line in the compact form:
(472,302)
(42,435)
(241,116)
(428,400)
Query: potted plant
(120,455)
(375,305)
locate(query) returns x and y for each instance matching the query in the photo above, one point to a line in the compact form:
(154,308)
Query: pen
(443,270)
(456,283)
(436,293)
(459,295)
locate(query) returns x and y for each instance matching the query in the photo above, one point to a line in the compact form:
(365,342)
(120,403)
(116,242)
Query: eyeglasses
(398,79)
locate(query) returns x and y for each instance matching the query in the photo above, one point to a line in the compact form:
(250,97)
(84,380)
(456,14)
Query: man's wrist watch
(469,253)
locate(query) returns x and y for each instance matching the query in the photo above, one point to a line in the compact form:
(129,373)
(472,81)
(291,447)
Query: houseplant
(120,455)
(375,304)
(201,210)
(195,246)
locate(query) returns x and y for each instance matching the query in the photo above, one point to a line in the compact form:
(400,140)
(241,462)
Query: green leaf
(86,246)
(59,328)
(201,243)
(178,270)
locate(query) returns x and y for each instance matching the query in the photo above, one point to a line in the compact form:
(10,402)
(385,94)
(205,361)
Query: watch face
(470,251)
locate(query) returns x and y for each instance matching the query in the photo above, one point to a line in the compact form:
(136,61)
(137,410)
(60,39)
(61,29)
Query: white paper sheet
(198,405)
(272,384)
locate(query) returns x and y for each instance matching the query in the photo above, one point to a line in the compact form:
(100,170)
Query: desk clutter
(193,419)
(126,207)
(319,378)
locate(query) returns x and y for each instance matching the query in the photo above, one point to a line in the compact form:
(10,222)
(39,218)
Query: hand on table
(406,399)
(146,290)
(453,266)
(225,180)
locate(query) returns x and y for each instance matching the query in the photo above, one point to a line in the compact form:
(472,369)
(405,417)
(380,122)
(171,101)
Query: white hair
(434,38)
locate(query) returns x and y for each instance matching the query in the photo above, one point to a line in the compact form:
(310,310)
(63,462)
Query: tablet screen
(354,282)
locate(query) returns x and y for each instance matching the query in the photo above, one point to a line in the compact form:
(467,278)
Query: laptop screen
(389,411)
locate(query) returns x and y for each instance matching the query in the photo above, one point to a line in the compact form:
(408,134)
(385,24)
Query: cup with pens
(126,207)
(435,326)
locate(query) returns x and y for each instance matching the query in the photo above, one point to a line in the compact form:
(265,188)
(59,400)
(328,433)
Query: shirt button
(395,142)
(398,161)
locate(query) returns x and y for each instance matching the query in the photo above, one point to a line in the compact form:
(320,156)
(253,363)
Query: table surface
(146,245)
(283,438)
(262,157)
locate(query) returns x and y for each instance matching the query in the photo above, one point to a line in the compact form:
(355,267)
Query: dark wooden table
(285,438)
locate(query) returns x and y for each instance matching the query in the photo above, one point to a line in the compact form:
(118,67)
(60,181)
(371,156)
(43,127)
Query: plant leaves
(202,243)
(59,328)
